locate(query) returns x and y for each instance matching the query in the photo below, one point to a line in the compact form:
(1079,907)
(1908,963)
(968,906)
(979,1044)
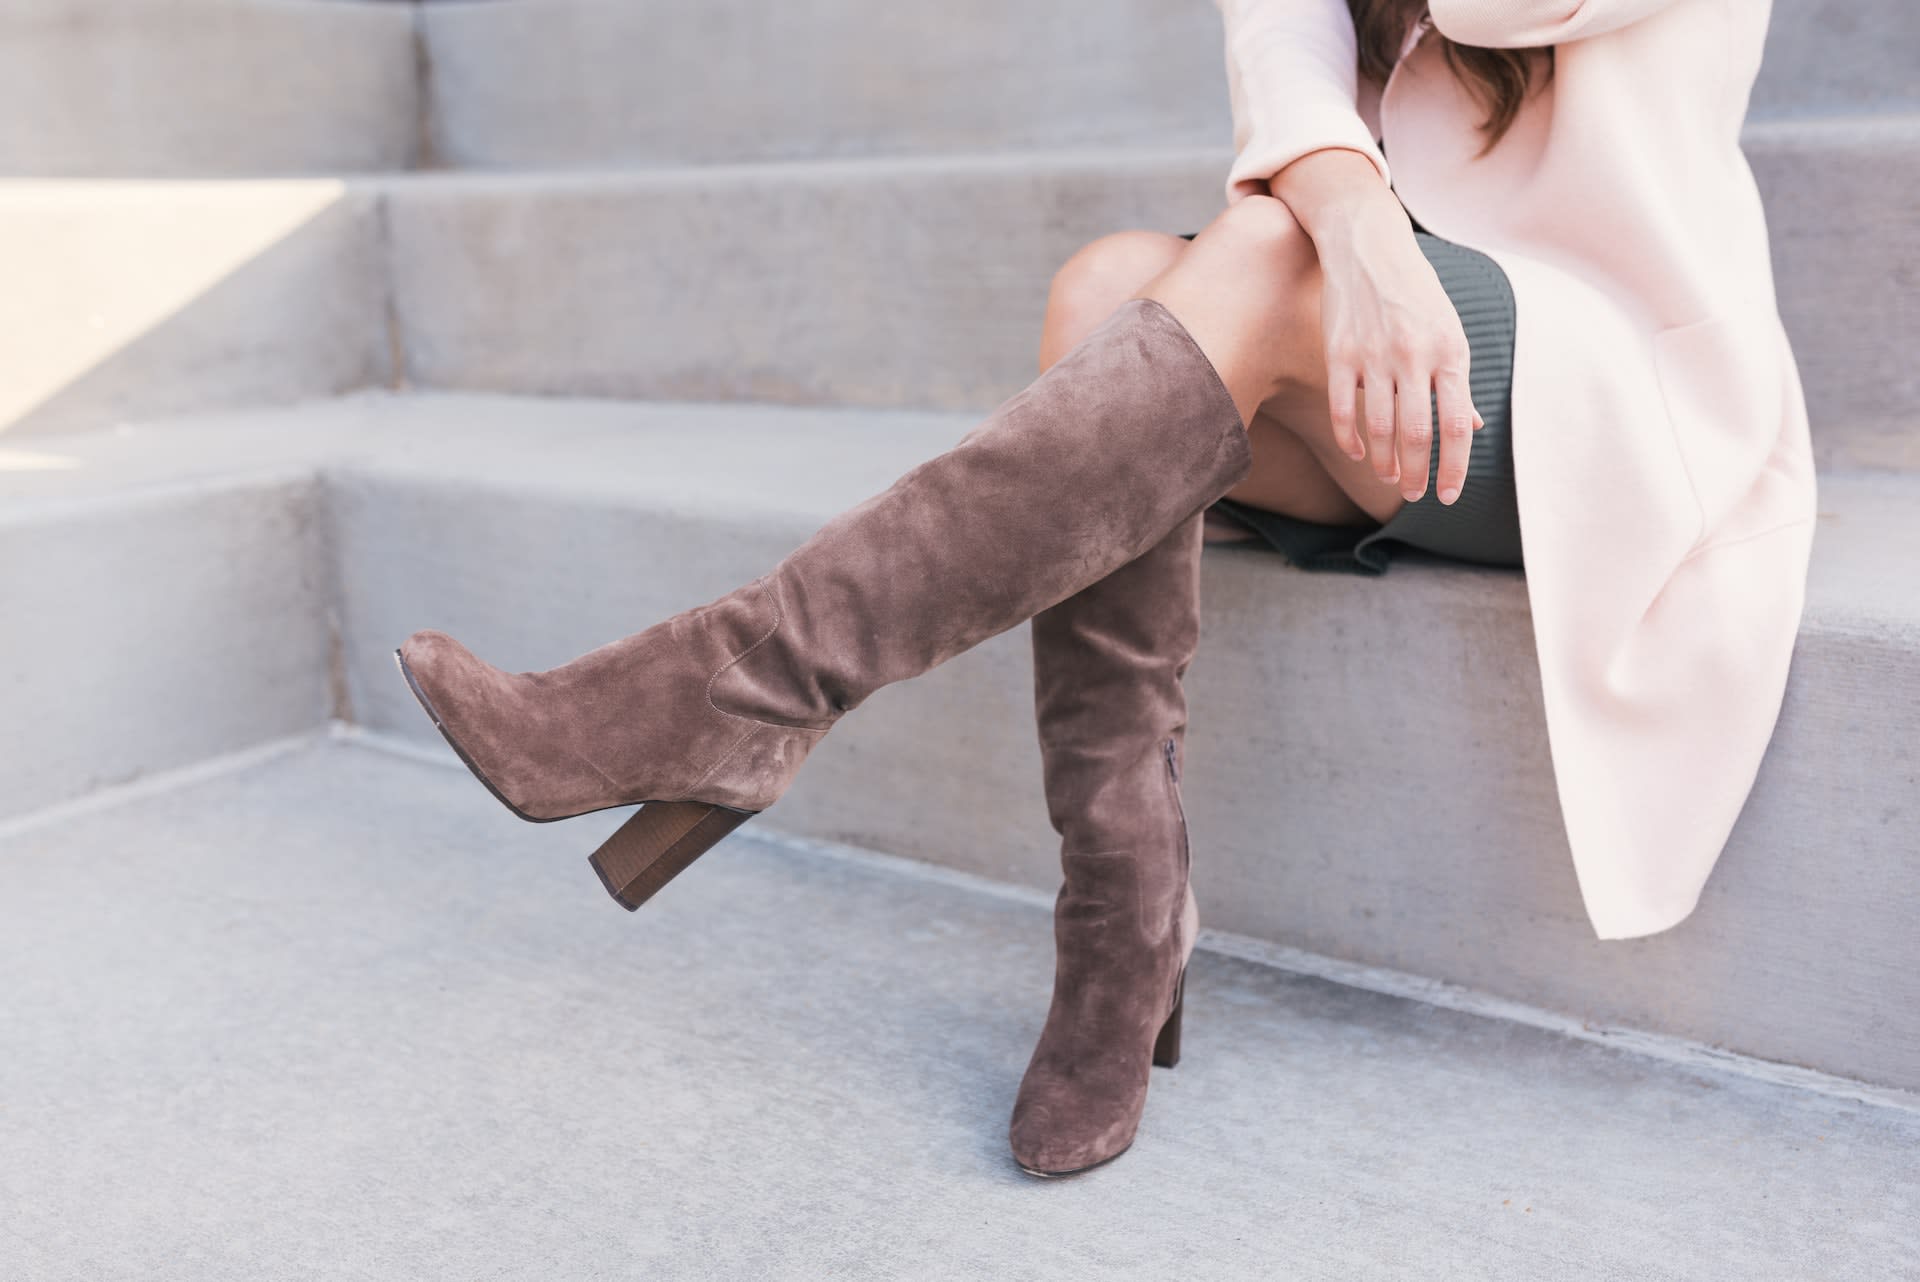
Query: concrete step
(535,529)
(591,85)
(173,87)
(881,283)
(923,282)
(348,1004)
(598,83)
(149,629)
(126,299)
(1833,57)
(232,87)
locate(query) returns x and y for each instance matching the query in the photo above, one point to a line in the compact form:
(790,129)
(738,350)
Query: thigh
(1288,477)
(1302,411)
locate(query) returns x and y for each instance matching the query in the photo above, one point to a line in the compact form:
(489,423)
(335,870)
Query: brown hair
(1500,78)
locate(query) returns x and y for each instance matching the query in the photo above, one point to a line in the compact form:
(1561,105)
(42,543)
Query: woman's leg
(1281,337)
(706,717)
(1287,475)
(1110,708)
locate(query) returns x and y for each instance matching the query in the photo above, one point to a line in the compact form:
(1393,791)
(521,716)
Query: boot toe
(1060,1141)
(474,706)
(428,654)
(450,682)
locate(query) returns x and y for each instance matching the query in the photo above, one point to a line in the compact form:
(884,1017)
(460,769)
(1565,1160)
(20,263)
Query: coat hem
(1640,922)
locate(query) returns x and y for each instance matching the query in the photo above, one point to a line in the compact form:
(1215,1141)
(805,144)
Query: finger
(1379,421)
(1457,415)
(1343,386)
(1415,393)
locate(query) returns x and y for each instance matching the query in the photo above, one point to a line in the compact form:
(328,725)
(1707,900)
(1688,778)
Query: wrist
(1337,195)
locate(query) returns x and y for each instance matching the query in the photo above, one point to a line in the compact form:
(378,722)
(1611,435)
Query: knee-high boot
(1112,716)
(706,716)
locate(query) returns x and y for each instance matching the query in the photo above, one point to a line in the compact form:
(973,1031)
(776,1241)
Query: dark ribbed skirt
(1483,524)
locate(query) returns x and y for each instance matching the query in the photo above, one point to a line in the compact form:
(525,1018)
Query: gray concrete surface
(230,87)
(340,1016)
(903,282)
(206,87)
(594,85)
(536,529)
(609,84)
(1833,57)
(145,630)
(911,282)
(922,282)
(133,299)
(1840,198)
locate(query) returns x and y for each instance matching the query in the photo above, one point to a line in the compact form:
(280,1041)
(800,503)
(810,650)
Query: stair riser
(1342,799)
(1841,219)
(158,630)
(1832,57)
(921,285)
(895,284)
(614,84)
(886,286)
(195,87)
(235,87)
(589,85)
(139,299)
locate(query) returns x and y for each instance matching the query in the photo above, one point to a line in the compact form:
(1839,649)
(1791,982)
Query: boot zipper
(1173,785)
(1186,849)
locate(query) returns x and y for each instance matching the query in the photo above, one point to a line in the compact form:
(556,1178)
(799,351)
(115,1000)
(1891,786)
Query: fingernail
(1449,494)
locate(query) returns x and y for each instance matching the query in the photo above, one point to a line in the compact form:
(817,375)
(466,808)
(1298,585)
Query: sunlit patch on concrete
(91,266)
(34,461)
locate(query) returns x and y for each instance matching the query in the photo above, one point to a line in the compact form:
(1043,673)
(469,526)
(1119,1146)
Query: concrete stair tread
(731,464)
(443,1053)
(701,459)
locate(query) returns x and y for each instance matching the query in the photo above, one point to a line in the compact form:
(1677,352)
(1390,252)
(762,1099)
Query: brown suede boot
(707,716)
(1112,713)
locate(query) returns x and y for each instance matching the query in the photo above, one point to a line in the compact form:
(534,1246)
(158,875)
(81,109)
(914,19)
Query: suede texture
(1112,715)
(1121,440)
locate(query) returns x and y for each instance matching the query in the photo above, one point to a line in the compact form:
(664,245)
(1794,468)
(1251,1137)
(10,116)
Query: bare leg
(1111,711)
(1287,475)
(1248,289)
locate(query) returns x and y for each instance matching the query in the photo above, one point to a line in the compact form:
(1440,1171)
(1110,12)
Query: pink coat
(1661,452)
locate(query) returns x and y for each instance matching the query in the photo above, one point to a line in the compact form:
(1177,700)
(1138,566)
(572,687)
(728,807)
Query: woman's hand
(1391,331)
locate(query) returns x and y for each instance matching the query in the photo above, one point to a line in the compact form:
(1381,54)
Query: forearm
(1334,192)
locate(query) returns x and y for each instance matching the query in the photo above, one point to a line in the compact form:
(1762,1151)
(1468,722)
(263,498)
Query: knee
(1255,261)
(1261,232)
(1106,272)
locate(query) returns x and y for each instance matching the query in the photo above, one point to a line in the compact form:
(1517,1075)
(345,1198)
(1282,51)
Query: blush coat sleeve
(1518,24)
(1293,78)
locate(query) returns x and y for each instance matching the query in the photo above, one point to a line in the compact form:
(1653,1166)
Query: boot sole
(652,847)
(1055,1175)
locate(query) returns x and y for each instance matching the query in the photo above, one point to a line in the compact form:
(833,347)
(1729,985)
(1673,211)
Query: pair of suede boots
(1077,504)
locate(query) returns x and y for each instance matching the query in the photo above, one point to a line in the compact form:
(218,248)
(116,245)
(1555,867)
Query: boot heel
(657,843)
(1166,1047)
